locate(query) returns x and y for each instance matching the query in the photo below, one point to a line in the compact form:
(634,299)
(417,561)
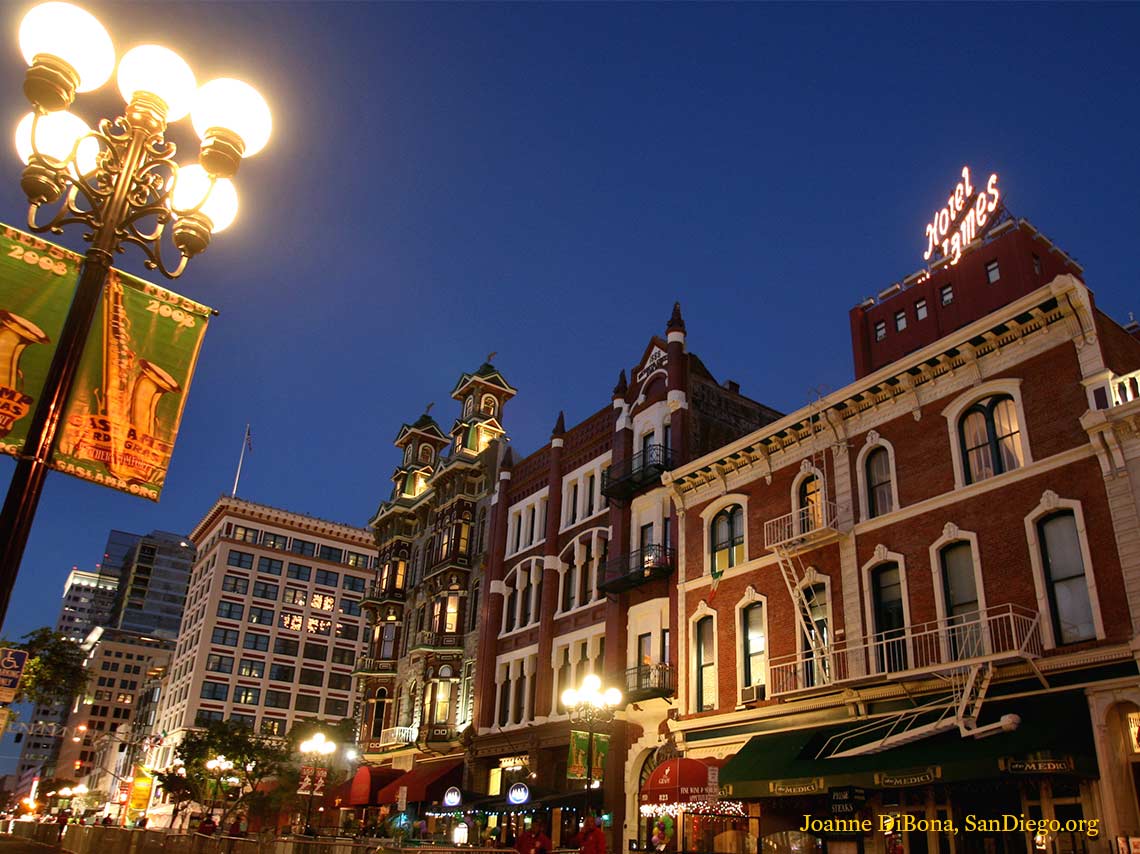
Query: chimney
(733,386)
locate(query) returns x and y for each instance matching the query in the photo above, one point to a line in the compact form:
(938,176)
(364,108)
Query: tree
(54,673)
(180,788)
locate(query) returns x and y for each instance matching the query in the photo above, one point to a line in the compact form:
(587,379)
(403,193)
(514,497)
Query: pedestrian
(107,821)
(235,827)
(592,839)
(524,844)
(542,843)
(208,826)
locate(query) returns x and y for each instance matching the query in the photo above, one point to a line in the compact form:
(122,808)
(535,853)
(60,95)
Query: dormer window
(426,454)
(489,405)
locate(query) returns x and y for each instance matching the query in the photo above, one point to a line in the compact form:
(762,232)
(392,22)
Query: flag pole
(241,457)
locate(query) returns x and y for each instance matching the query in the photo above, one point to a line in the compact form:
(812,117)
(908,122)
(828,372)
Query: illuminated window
(425,454)
(247,695)
(320,627)
(293,596)
(920,309)
(727,538)
(487,405)
(990,438)
(947,293)
(322,602)
(755,646)
(293,622)
(900,320)
(809,515)
(880,330)
(992,271)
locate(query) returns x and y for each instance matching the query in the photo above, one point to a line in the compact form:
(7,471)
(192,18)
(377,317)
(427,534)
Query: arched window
(488,405)
(890,618)
(727,538)
(426,454)
(960,593)
(408,454)
(990,438)
(809,505)
(877,468)
(1065,580)
(469,405)
(706,664)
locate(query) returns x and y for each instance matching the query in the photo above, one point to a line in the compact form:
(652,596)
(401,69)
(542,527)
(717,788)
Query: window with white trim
(877,471)
(705,638)
(1067,588)
(726,538)
(754,644)
(989,433)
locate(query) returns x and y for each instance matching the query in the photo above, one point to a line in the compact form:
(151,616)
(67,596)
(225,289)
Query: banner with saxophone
(126,404)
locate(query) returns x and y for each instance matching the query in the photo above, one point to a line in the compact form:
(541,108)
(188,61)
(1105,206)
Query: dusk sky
(544,181)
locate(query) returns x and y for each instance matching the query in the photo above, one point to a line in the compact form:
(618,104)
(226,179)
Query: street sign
(12,663)
(402,798)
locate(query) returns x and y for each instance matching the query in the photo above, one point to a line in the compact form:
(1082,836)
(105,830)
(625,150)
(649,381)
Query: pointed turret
(676,322)
(560,424)
(622,387)
(508,461)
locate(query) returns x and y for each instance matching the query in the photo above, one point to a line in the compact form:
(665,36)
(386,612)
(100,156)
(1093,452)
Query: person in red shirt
(592,839)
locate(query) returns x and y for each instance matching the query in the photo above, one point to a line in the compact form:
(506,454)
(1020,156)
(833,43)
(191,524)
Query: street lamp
(121,183)
(591,705)
(314,749)
(218,766)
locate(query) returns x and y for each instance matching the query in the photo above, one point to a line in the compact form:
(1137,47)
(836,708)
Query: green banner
(576,764)
(37,282)
(121,420)
(601,751)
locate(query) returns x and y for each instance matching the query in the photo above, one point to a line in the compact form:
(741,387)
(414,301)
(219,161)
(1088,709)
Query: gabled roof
(426,426)
(487,374)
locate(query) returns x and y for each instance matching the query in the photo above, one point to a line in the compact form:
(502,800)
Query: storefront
(417,792)
(681,810)
(943,794)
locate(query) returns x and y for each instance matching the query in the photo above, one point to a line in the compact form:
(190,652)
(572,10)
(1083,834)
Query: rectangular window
(235,584)
(331,554)
(219,663)
(256,642)
(269,566)
(1036,265)
(993,273)
(292,622)
(947,293)
(299,571)
(920,309)
(591,483)
(246,535)
(295,596)
(350,607)
(282,672)
(271,726)
(880,330)
(336,708)
(311,677)
(316,651)
(274,541)
(261,616)
(242,560)
(1065,575)
(573,503)
(205,717)
(247,695)
(224,637)
(214,691)
(353,583)
(230,610)
(327,577)
(286,646)
(303,547)
(755,644)
(355,559)
(340,681)
(347,631)
(246,721)
(252,668)
(305,703)
(265,590)
(318,626)
(277,699)
(322,602)
(706,665)
(900,321)
(340,655)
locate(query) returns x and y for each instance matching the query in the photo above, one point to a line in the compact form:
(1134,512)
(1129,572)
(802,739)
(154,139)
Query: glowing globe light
(56,135)
(236,107)
(73,35)
(158,71)
(192,191)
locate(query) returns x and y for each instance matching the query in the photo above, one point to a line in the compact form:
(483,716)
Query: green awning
(1055,736)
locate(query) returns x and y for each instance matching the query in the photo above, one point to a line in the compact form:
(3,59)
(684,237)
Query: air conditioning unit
(752,693)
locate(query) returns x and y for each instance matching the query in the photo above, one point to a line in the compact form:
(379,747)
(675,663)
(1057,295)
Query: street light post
(218,766)
(591,705)
(122,184)
(315,749)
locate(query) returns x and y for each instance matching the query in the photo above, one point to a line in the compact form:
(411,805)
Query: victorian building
(920,594)
(581,560)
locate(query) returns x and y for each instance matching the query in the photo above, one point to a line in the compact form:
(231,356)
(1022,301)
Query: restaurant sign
(908,777)
(1062,765)
(805,786)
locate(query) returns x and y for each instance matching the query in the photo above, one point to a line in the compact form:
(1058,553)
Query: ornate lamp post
(219,766)
(121,183)
(590,705)
(314,750)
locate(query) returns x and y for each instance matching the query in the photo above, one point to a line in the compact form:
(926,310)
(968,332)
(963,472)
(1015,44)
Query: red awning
(368,781)
(679,781)
(425,782)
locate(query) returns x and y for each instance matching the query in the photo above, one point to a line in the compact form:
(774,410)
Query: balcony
(648,681)
(397,736)
(636,568)
(437,640)
(625,479)
(803,528)
(375,594)
(439,734)
(368,666)
(1002,633)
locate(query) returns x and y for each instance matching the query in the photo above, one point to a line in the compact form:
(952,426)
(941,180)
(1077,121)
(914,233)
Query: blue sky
(543,181)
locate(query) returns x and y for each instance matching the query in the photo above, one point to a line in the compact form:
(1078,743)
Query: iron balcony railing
(815,521)
(397,735)
(650,680)
(622,479)
(1002,632)
(639,567)
(376,593)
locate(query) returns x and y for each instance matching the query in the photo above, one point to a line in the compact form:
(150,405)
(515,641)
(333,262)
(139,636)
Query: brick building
(581,550)
(922,591)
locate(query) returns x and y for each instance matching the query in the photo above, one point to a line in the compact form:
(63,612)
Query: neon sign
(958,224)
(452,797)
(519,793)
